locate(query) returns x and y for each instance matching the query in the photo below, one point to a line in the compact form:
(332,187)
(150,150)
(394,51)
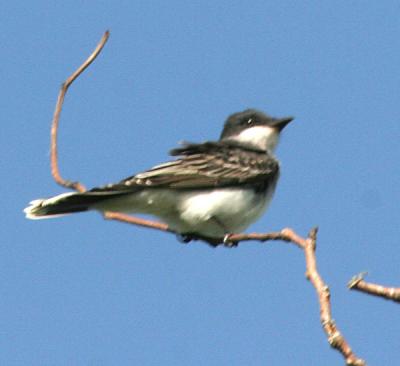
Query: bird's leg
(226,242)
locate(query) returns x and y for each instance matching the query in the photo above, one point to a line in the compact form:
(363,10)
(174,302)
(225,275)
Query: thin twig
(53,146)
(128,219)
(308,245)
(56,118)
(388,293)
(335,338)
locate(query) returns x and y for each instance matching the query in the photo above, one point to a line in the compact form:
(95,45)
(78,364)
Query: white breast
(213,212)
(218,212)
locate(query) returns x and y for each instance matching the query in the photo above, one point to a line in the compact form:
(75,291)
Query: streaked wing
(206,165)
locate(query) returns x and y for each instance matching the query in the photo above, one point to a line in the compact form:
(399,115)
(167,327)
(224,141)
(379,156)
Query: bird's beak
(280,123)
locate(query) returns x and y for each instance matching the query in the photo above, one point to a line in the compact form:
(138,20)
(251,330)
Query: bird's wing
(205,165)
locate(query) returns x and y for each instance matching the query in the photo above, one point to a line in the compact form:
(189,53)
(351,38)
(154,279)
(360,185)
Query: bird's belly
(218,212)
(212,213)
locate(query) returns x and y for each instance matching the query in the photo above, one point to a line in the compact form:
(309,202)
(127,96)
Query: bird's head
(254,128)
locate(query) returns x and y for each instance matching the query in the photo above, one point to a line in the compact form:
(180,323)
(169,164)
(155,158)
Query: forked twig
(335,338)
(308,245)
(388,293)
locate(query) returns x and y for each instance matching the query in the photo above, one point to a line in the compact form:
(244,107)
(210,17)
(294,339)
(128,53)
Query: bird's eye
(249,122)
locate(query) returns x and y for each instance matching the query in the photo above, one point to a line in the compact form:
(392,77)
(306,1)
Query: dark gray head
(254,128)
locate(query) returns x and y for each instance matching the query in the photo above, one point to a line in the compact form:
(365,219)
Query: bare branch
(56,117)
(335,338)
(136,221)
(389,293)
(308,245)
(53,150)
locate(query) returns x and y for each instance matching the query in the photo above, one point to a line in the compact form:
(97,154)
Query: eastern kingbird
(212,189)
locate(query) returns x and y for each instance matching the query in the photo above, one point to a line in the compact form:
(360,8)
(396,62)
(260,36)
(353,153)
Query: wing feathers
(204,166)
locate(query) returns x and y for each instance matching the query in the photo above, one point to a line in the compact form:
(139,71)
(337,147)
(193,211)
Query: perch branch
(389,293)
(308,245)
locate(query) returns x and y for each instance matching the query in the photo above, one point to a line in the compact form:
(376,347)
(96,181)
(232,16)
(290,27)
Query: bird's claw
(227,241)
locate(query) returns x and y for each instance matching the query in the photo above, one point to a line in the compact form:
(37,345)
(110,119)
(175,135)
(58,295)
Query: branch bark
(388,293)
(308,245)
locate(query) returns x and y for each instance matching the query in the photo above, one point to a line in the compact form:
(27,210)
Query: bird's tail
(65,203)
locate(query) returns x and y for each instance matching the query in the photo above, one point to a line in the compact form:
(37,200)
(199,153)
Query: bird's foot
(214,242)
(228,243)
(185,238)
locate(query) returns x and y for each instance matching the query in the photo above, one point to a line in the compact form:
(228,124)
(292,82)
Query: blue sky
(82,291)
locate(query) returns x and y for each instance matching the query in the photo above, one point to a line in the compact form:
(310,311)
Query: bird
(211,190)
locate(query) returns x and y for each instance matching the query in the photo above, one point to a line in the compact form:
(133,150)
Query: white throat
(261,137)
